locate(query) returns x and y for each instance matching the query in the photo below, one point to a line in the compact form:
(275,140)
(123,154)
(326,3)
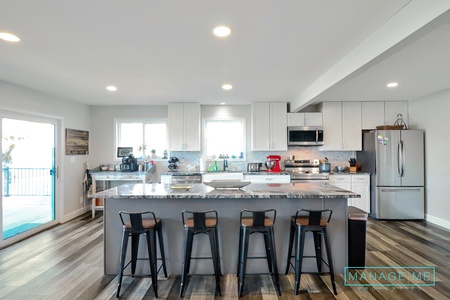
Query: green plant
(153,151)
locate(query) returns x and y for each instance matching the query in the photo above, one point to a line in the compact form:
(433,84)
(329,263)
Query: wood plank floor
(65,262)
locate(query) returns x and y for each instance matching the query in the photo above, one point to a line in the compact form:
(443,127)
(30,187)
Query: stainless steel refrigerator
(395,159)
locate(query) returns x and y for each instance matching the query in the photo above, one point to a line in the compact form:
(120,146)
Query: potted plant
(153,153)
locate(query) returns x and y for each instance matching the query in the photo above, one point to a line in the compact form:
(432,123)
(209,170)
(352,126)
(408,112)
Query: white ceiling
(164,51)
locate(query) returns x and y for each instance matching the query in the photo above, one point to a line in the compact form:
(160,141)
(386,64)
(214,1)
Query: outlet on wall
(81,199)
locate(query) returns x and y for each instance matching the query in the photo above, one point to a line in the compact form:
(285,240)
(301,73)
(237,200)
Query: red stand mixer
(273,163)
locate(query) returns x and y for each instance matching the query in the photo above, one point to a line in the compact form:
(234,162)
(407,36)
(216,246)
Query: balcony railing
(27,182)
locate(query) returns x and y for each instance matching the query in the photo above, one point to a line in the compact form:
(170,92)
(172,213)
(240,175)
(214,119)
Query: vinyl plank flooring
(66,262)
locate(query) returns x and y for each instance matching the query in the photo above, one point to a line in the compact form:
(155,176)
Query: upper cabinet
(184,127)
(382,113)
(341,126)
(269,126)
(313,119)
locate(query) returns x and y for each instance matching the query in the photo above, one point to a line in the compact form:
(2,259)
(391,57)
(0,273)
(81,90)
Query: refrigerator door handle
(317,136)
(403,158)
(399,159)
(399,190)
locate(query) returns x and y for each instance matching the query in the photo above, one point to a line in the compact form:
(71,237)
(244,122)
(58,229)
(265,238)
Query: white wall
(431,113)
(72,115)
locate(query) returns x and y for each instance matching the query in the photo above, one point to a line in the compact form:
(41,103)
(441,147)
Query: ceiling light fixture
(9,37)
(222,103)
(222,31)
(227,87)
(111,88)
(392,84)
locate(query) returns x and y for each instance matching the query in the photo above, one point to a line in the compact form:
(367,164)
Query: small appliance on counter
(325,166)
(273,163)
(129,164)
(253,167)
(173,163)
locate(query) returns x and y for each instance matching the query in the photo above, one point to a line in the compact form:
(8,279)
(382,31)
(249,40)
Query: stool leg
(216,238)
(215,258)
(161,249)
(151,245)
(291,242)
(299,257)
(330,260)
(187,249)
(268,245)
(134,251)
(318,248)
(122,261)
(273,255)
(243,261)
(239,252)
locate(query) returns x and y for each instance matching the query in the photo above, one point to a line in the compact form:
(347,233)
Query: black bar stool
(261,222)
(133,227)
(315,221)
(195,223)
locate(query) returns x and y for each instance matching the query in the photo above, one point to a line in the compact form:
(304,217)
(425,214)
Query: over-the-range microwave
(305,136)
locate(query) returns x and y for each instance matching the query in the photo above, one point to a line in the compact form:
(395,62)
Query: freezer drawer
(399,203)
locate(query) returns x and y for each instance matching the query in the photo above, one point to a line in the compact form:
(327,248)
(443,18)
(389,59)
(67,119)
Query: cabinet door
(192,127)
(392,109)
(332,126)
(296,119)
(372,114)
(176,126)
(278,126)
(313,119)
(260,126)
(351,126)
(361,185)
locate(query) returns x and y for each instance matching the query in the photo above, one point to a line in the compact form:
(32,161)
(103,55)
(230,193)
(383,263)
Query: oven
(305,171)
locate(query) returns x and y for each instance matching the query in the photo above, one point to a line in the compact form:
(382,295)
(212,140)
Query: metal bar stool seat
(315,221)
(194,223)
(257,222)
(133,226)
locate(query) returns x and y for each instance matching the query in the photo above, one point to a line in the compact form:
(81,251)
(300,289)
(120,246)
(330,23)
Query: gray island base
(168,204)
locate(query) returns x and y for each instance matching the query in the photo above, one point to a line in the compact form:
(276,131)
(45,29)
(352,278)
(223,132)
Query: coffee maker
(129,164)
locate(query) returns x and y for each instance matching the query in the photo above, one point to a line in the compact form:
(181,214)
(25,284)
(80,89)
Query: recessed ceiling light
(111,88)
(222,31)
(392,84)
(227,87)
(9,37)
(222,103)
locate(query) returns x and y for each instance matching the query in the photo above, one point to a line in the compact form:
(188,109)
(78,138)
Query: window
(224,137)
(144,135)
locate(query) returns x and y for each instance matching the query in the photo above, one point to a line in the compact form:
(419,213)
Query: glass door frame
(57,204)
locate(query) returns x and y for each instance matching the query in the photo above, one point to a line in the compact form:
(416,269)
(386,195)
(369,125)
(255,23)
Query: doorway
(28,176)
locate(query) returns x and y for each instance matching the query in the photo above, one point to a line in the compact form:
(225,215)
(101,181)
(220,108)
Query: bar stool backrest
(200,218)
(259,217)
(315,217)
(135,219)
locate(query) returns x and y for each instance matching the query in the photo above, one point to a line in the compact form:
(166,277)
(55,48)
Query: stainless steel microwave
(305,136)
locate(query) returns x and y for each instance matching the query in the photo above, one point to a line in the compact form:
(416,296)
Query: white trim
(437,221)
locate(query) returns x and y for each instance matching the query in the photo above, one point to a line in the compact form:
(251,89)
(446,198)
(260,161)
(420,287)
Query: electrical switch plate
(72,159)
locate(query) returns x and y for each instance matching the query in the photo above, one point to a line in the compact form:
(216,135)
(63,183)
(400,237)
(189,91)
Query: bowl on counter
(341,169)
(104,168)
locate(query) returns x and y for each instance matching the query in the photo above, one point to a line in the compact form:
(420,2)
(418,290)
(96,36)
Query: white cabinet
(220,176)
(342,126)
(184,127)
(269,126)
(268,178)
(359,184)
(382,113)
(313,119)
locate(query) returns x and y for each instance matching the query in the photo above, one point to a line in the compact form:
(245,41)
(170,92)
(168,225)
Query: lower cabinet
(268,178)
(359,184)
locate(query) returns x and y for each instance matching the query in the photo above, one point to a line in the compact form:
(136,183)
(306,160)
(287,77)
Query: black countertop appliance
(129,164)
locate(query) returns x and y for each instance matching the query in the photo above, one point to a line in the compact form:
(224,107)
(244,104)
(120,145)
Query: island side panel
(169,210)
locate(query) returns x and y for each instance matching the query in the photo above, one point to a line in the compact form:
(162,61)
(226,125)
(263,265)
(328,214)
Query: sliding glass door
(28,175)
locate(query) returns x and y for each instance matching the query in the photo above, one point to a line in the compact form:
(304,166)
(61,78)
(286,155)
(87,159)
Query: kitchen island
(168,203)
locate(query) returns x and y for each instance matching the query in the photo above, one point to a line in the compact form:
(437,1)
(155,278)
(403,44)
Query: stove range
(306,170)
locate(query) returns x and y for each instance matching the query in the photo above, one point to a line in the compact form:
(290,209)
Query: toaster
(253,167)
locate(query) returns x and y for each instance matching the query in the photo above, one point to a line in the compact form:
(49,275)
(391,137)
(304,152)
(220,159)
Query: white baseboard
(74,214)
(438,221)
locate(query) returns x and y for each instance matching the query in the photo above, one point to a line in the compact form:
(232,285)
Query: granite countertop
(348,173)
(288,190)
(183,173)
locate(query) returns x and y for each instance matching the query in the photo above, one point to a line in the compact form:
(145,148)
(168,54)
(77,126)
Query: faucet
(225,164)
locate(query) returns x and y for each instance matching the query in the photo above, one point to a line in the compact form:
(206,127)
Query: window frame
(117,130)
(243,122)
